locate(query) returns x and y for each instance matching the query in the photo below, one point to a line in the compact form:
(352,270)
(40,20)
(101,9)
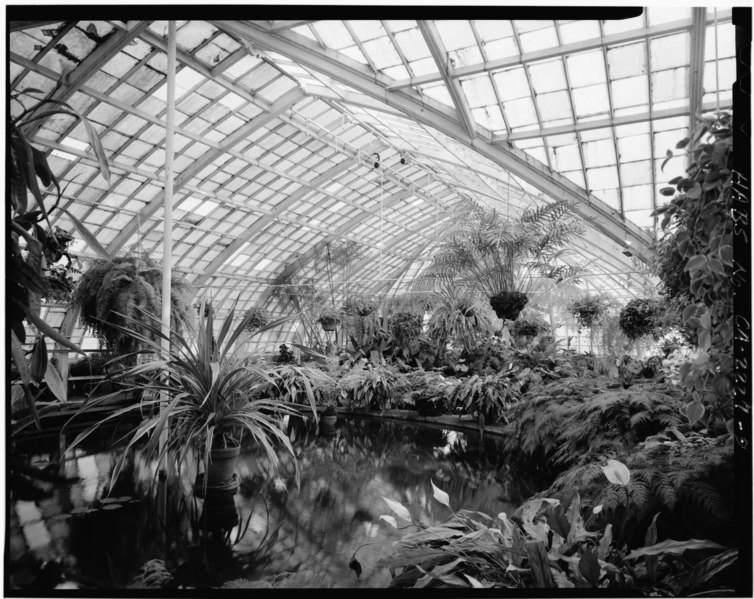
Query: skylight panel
(527,25)
(589,101)
(366,30)
(72,143)
(547,76)
(397,25)
(669,51)
(490,117)
(602,178)
(333,33)
(599,153)
(382,52)
(635,147)
(232,100)
(577,31)
(205,207)
(412,44)
(512,84)
(586,68)
(397,72)
(305,31)
(425,66)
(627,61)
(502,48)
(669,85)
(726,75)
(490,30)
(636,173)
(554,106)
(439,93)
(455,35)
(632,91)
(538,40)
(242,67)
(352,52)
(565,157)
(478,91)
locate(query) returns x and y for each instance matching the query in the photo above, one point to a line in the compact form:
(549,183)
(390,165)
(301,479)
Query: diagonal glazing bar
(607,220)
(440,56)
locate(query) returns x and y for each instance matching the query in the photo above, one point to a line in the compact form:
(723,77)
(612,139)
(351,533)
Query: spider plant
(491,255)
(201,394)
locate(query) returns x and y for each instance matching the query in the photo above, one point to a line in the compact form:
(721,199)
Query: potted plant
(500,259)
(201,395)
(258,318)
(329,318)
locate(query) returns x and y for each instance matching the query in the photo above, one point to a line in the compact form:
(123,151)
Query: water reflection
(269,526)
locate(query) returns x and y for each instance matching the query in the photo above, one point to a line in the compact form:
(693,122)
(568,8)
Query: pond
(67,531)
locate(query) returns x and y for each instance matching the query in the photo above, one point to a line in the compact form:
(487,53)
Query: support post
(167,241)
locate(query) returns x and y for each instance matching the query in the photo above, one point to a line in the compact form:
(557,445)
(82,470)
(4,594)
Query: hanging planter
(257,318)
(329,319)
(588,310)
(508,304)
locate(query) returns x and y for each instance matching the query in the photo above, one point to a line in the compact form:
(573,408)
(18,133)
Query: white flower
(617,472)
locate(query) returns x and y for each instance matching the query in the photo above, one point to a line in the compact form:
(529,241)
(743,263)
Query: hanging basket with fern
(111,292)
(329,319)
(588,310)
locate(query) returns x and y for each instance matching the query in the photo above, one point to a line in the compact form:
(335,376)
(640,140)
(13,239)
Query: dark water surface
(71,532)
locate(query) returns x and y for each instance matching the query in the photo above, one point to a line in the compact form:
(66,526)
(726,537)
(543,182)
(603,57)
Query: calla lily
(617,472)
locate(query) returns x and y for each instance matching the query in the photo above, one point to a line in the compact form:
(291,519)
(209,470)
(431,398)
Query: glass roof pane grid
(579,145)
(614,140)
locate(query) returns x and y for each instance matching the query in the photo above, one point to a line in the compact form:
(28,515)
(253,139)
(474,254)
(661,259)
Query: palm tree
(502,259)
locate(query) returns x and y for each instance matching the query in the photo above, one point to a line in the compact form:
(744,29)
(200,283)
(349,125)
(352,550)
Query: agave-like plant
(201,394)
(491,255)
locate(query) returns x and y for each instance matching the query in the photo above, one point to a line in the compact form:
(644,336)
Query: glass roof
(279,125)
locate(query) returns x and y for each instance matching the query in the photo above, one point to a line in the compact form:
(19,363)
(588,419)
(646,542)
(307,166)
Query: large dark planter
(329,326)
(222,464)
(508,304)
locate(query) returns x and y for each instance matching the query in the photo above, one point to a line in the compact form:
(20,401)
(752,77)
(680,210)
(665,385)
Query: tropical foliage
(575,420)
(258,318)
(588,309)
(639,317)
(550,546)
(487,397)
(700,224)
(34,245)
(201,394)
(372,386)
(489,254)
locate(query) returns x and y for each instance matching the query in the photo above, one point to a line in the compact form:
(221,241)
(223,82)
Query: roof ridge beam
(440,56)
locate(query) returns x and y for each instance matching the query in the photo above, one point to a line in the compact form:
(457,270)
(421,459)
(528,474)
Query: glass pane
(520,112)
(592,100)
(636,173)
(631,91)
(635,147)
(627,61)
(512,83)
(669,85)
(586,68)
(556,105)
(547,76)
(669,51)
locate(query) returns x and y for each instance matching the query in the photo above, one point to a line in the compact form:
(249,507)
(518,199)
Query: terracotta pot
(222,463)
